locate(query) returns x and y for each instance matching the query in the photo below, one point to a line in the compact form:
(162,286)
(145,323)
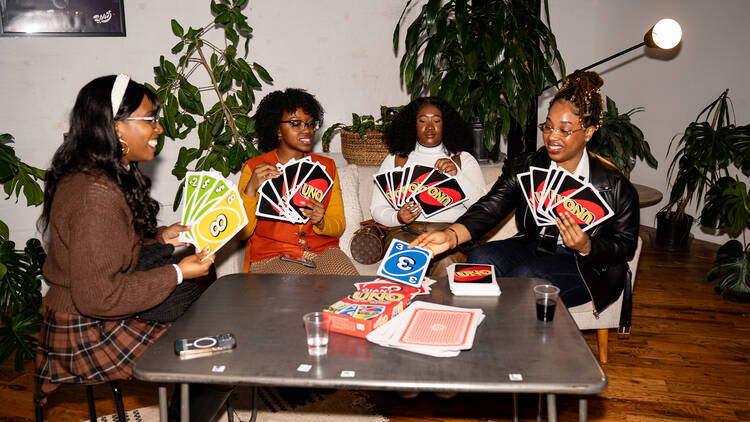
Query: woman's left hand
(315,211)
(446,166)
(572,235)
(171,234)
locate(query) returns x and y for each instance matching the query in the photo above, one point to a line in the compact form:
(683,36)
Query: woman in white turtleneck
(429,132)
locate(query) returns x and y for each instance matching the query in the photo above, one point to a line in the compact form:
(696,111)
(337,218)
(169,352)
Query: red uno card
(440,197)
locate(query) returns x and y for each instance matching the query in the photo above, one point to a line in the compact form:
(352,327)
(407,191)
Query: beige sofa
(356,187)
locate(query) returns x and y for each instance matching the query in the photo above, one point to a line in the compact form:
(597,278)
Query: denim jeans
(517,258)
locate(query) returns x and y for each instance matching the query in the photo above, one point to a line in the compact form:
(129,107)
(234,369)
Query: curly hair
(401,136)
(92,145)
(274,105)
(582,90)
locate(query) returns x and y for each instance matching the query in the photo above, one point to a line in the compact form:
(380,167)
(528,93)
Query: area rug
(283,405)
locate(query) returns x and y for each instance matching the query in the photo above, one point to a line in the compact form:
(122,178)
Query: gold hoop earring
(125,147)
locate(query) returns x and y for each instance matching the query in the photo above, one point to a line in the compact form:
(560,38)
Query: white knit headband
(118,92)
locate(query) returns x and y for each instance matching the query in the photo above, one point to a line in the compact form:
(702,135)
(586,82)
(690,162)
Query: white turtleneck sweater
(469,176)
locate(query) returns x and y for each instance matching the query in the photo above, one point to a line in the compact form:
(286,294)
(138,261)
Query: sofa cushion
(349,180)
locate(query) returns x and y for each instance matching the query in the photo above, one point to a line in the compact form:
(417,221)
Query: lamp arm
(604,61)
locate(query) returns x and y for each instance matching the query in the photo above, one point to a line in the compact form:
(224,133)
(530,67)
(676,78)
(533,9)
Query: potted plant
(20,269)
(703,155)
(489,59)
(362,141)
(620,141)
(224,129)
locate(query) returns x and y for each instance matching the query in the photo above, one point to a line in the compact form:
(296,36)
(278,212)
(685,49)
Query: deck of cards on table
(282,198)
(405,265)
(473,280)
(432,190)
(373,304)
(430,329)
(212,205)
(550,192)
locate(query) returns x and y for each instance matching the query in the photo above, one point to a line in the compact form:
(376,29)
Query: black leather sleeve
(616,240)
(498,203)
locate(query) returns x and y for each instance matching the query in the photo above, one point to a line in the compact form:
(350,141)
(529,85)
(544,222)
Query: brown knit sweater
(92,251)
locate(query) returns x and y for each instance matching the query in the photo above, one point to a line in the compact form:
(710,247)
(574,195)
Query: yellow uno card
(217,226)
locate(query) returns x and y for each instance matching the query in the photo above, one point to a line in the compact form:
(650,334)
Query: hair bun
(585,79)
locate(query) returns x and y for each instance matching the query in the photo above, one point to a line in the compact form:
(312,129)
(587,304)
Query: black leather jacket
(604,270)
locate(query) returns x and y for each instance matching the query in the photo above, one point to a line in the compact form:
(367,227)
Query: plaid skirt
(74,349)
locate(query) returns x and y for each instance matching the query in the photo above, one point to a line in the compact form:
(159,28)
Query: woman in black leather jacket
(586,266)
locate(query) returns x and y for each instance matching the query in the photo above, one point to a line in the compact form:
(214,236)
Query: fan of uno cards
(212,205)
(550,192)
(405,265)
(281,198)
(431,190)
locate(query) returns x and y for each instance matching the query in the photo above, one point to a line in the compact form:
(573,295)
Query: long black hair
(274,105)
(91,144)
(401,136)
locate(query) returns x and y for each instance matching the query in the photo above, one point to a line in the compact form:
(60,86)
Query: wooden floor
(687,359)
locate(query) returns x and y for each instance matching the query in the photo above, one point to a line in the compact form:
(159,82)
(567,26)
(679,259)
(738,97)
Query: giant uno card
(315,186)
(405,265)
(439,197)
(221,223)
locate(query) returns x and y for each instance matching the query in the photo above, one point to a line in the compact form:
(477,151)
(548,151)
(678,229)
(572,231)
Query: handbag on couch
(368,243)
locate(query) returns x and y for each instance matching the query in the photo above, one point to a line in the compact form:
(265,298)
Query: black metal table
(512,352)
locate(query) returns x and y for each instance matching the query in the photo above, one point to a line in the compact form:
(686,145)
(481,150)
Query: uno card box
(372,305)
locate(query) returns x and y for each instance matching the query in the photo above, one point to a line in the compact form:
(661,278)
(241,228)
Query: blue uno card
(405,265)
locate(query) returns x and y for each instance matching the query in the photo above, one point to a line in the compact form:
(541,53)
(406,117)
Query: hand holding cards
(212,205)
(283,198)
(550,192)
(431,190)
(407,266)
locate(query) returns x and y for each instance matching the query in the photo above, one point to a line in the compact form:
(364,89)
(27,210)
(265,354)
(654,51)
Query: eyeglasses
(546,129)
(153,119)
(299,124)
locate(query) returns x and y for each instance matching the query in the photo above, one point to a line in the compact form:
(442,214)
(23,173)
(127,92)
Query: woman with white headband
(98,215)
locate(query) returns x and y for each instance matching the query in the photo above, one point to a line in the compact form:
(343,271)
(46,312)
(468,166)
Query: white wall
(714,55)
(341,52)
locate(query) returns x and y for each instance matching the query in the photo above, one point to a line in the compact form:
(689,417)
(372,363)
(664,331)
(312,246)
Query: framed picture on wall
(62,18)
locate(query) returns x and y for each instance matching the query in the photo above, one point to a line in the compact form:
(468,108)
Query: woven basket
(356,150)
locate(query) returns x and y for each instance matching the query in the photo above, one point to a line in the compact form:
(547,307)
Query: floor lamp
(664,35)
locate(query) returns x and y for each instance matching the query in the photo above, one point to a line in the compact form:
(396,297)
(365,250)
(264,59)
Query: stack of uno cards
(550,192)
(473,280)
(430,329)
(432,190)
(281,198)
(405,265)
(212,205)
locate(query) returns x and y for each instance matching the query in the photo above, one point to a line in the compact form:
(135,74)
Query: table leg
(515,407)
(551,408)
(539,408)
(185,402)
(253,396)
(583,410)
(163,404)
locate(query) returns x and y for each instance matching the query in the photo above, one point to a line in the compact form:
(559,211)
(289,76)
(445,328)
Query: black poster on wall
(62,17)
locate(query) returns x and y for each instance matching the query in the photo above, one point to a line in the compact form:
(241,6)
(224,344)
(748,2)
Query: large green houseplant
(490,59)
(720,151)
(621,141)
(704,154)
(20,269)
(225,129)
